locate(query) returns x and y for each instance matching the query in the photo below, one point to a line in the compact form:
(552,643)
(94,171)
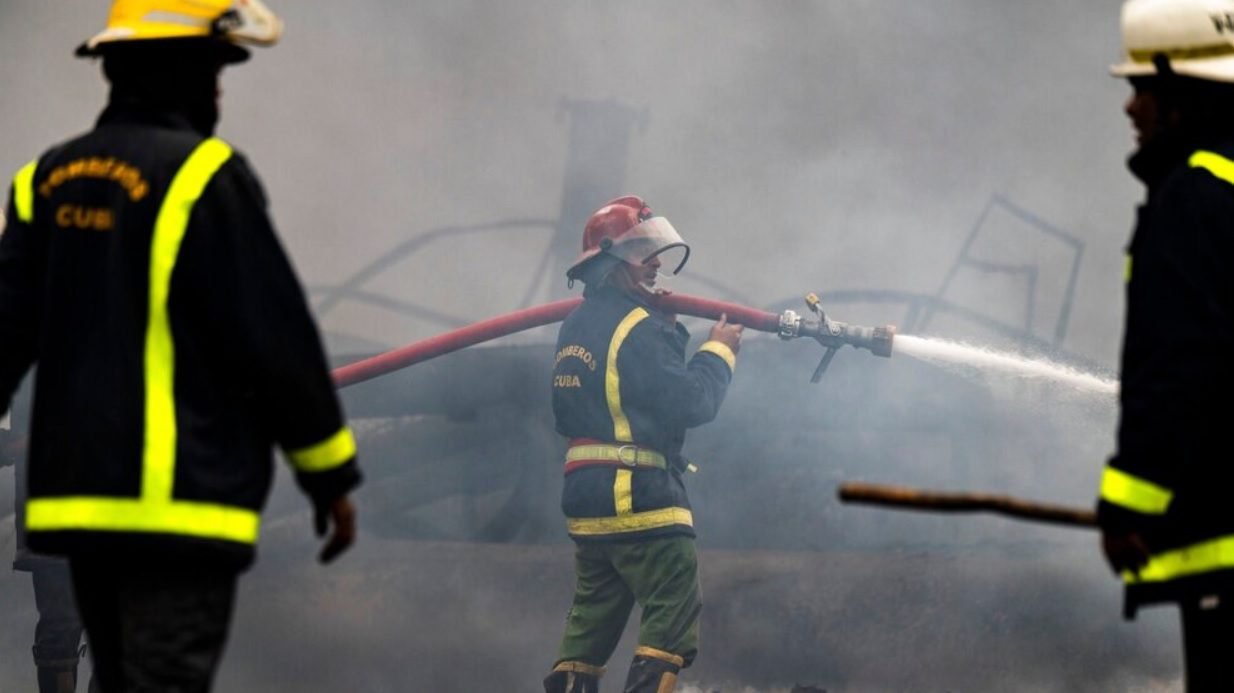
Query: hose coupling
(790,325)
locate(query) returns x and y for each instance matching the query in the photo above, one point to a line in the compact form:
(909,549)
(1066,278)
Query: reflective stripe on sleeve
(1133,493)
(612,379)
(722,350)
(23,192)
(1207,556)
(332,452)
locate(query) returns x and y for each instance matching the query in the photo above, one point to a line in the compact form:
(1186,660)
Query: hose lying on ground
(944,501)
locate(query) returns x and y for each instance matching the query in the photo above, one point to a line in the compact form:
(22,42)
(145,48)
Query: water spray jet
(972,357)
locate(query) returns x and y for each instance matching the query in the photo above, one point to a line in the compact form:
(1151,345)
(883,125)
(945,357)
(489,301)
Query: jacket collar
(1155,161)
(608,292)
(135,113)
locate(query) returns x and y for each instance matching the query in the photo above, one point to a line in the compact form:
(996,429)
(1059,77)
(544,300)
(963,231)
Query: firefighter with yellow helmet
(1165,512)
(175,348)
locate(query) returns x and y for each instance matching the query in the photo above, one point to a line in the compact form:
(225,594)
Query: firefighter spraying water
(624,396)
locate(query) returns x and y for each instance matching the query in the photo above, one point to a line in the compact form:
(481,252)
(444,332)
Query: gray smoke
(954,167)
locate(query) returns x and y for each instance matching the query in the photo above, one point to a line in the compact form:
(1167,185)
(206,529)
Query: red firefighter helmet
(627,229)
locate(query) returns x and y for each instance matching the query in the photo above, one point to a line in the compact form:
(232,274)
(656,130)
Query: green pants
(660,574)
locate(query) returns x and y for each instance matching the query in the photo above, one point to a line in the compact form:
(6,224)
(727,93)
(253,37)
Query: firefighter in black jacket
(624,395)
(174,348)
(1165,511)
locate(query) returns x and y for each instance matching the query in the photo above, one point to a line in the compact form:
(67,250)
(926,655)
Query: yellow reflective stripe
(644,651)
(623,493)
(204,520)
(626,454)
(1131,492)
(580,668)
(722,350)
(328,454)
(23,192)
(1215,164)
(612,380)
(159,451)
(634,522)
(1127,269)
(1215,554)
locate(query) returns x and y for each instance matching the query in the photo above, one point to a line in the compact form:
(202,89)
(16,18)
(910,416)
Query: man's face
(1146,111)
(632,277)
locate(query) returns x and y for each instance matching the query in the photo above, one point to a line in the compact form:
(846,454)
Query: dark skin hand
(1124,551)
(342,515)
(727,333)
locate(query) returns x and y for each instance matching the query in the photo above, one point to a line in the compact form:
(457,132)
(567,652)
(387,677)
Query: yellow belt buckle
(633,460)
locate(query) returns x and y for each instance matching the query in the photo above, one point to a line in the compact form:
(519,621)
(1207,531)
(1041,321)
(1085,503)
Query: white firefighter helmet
(1195,36)
(232,21)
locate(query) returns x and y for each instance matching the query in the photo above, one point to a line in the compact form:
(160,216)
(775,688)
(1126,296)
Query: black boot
(653,671)
(573,677)
(58,679)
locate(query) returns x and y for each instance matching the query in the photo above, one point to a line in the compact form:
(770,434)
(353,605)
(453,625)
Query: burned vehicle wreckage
(460,451)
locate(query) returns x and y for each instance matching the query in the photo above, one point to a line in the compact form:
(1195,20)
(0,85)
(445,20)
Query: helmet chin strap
(1162,62)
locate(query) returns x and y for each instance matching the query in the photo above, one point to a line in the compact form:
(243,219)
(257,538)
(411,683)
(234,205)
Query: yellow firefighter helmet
(234,21)
(1195,37)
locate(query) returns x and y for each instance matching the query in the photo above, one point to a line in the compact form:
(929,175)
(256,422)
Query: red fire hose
(526,319)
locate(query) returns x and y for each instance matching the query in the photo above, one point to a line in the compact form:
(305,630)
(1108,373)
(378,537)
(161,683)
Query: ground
(458,616)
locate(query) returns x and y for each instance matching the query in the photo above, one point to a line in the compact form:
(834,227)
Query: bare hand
(342,514)
(1125,551)
(727,334)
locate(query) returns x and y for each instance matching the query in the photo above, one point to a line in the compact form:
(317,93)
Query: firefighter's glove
(342,514)
(1125,551)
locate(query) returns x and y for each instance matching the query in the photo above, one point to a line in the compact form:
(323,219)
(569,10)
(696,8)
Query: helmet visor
(652,238)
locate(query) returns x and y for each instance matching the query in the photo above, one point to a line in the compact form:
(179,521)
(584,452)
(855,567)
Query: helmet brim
(593,268)
(100,45)
(1132,69)
(1209,69)
(579,262)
